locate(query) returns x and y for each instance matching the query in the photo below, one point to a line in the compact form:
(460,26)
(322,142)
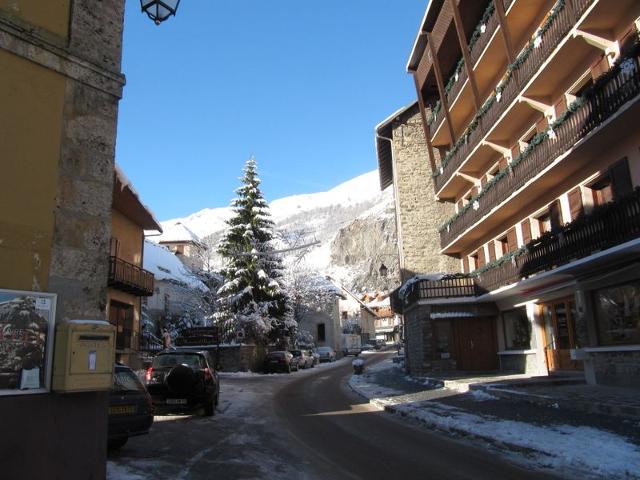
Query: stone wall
(619,369)
(418,214)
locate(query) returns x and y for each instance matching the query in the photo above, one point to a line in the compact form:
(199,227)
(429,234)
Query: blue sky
(299,84)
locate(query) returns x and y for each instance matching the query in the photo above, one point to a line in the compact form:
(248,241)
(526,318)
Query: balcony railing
(621,85)
(507,4)
(130,278)
(457,84)
(565,14)
(479,44)
(448,287)
(608,226)
(436,119)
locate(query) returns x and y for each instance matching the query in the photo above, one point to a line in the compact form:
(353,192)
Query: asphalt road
(307,425)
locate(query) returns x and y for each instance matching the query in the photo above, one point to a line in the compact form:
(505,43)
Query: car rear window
(191,360)
(276,355)
(126,381)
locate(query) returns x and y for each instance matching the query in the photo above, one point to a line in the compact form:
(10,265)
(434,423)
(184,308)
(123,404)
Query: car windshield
(296,353)
(276,355)
(171,360)
(126,381)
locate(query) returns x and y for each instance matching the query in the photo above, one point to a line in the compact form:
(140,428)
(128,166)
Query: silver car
(327,354)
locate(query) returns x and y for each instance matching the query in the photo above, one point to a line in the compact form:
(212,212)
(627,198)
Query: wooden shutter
(465,264)
(575,203)
(475,190)
(483,181)
(526,231)
(481,257)
(492,250)
(503,163)
(621,179)
(515,151)
(512,240)
(555,216)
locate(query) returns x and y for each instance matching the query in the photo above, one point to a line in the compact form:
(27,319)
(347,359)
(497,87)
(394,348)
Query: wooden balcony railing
(622,84)
(130,278)
(457,85)
(436,119)
(507,4)
(447,287)
(479,45)
(608,226)
(567,13)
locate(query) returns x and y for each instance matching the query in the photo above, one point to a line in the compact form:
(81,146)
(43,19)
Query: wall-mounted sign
(26,341)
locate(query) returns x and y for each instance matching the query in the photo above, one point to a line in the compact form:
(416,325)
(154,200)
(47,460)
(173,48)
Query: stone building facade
(403,162)
(59,93)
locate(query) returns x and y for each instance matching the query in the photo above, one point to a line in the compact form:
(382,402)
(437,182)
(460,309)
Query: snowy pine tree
(252,298)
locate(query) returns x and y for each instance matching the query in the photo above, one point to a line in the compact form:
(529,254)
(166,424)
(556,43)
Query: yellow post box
(83,356)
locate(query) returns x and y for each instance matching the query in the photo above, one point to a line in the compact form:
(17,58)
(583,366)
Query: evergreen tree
(252,297)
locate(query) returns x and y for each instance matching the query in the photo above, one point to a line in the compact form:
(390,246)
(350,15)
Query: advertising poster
(26,321)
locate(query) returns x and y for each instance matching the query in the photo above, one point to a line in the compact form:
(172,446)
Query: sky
(297,84)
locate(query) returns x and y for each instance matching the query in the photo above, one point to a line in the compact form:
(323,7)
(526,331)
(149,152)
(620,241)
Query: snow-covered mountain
(353,223)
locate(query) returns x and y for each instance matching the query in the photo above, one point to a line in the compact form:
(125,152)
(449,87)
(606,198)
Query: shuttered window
(512,240)
(526,231)
(503,163)
(621,179)
(542,125)
(561,106)
(575,203)
(555,216)
(481,257)
(492,251)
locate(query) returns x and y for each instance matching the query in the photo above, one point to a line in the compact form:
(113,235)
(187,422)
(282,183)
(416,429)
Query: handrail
(130,277)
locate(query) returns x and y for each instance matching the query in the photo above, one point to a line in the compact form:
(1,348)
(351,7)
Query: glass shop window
(618,314)
(517,329)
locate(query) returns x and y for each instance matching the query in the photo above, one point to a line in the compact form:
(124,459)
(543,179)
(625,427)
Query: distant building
(129,282)
(178,292)
(178,238)
(386,323)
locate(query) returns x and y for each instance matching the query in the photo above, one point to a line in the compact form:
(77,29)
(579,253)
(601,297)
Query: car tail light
(147,376)
(207,373)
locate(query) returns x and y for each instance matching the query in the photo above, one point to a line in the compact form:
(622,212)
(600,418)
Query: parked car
(279,361)
(183,380)
(130,407)
(327,354)
(367,347)
(304,359)
(316,356)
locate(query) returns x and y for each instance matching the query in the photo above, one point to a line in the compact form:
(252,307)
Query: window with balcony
(618,314)
(474,263)
(613,184)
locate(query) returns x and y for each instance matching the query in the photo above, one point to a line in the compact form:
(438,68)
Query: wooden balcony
(477,46)
(525,66)
(622,86)
(130,278)
(608,226)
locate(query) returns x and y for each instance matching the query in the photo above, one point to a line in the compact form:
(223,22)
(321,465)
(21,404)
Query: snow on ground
(592,452)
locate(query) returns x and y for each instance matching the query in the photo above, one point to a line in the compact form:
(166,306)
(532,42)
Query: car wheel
(210,408)
(116,443)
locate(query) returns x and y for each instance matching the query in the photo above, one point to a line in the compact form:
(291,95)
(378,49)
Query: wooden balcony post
(425,127)
(504,30)
(439,81)
(464,46)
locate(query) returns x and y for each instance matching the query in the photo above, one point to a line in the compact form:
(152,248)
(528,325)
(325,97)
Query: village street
(305,425)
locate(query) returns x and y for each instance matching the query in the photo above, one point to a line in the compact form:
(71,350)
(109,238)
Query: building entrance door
(475,340)
(559,334)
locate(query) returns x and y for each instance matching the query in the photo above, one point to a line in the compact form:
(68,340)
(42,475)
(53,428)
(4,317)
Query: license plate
(176,401)
(274,361)
(122,410)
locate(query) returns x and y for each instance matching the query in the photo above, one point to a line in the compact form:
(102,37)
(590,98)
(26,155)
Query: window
(618,314)
(473,261)
(614,184)
(321,333)
(503,245)
(602,191)
(26,341)
(517,329)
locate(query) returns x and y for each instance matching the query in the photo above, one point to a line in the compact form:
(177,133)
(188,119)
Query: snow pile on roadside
(120,472)
(592,452)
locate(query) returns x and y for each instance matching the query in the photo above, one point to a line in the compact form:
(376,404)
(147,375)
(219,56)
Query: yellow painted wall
(51,15)
(130,236)
(31,106)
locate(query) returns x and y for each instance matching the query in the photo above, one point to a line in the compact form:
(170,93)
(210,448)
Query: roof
(165,265)
(384,134)
(177,232)
(420,43)
(127,201)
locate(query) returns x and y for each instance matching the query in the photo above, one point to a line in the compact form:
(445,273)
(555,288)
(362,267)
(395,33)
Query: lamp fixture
(159,10)
(383,270)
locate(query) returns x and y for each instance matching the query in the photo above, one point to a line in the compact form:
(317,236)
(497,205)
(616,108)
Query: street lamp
(159,10)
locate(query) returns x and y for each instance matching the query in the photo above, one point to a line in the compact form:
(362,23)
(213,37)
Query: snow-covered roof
(178,232)
(165,265)
(127,201)
(380,303)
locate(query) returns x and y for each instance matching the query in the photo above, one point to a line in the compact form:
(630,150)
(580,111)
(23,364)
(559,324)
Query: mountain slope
(353,223)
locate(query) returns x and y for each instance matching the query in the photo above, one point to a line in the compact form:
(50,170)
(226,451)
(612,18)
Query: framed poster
(27,323)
